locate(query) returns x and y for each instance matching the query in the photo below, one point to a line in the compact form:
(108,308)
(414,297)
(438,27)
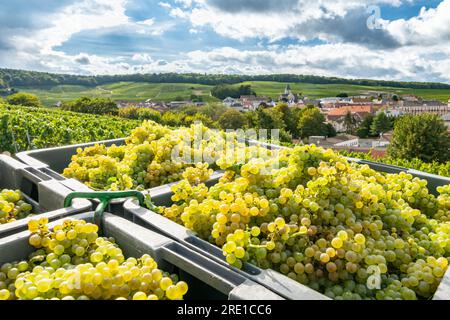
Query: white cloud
(348,60)
(148,22)
(165,5)
(84,15)
(416,49)
(272,19)
(184,3)
(35,48)
(141,57)
(431,26)
(338,21)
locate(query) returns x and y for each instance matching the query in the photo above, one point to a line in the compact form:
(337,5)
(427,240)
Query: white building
(229,101)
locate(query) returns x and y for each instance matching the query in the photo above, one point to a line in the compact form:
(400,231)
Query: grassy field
(314,91)
(130,91)
(139,91)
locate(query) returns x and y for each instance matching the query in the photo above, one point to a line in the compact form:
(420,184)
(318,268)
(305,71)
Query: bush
(24,99)
(149,114)
(129,113)
(205,120)
(172,119)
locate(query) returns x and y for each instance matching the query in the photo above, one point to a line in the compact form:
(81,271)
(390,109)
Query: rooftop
(354,109)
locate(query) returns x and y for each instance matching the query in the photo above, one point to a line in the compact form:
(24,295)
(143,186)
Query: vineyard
(23,128)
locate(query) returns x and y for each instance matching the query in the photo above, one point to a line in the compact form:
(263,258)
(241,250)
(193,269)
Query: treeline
(11,78)
(223,91)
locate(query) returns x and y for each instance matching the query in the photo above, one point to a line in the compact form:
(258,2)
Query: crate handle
(105,197)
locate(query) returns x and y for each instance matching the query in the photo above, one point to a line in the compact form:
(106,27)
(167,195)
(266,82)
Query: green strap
(104,197)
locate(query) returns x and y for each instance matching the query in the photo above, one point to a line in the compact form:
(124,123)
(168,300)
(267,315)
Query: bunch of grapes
(340,228)
(152,155)
(73,262)
(12,206)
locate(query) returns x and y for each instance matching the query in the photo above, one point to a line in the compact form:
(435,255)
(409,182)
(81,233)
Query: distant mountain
(13,78)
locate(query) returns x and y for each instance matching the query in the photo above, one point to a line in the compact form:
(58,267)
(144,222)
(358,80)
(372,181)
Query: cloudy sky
(383,39)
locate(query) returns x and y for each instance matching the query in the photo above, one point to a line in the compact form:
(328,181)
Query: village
(335,110)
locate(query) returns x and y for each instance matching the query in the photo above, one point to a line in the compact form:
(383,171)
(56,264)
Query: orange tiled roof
(354,109)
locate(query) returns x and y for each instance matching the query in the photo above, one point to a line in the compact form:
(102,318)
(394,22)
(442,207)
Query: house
(228,101)
(237,106)
(178,104)
(446,118)
(307,101)
(410,98)
(364,143)
(252,102)
(418,107)
(335,100)
(336,116)
(361,100)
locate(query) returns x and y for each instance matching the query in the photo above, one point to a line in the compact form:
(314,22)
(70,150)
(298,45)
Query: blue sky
(395,39)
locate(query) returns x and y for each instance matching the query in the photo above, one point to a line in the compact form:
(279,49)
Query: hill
(52,88)
(13,78)
(139,91)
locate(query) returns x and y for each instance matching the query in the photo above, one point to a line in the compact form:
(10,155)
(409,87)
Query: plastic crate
(206,278)
(273,280)
(43,193)
(52,161)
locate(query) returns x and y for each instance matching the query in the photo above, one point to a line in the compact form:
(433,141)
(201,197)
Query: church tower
(287,90)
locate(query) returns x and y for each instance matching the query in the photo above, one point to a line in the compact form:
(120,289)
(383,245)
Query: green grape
(84,273)
(341,228)
(12,206)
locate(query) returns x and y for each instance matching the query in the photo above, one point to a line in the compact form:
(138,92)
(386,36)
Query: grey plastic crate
(51,162)
(278,283)
(54,160)
(206,278)
(43,193)
(275,281)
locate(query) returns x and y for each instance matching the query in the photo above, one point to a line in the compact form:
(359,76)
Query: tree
(312,123)
(269,119)
(342,95)
(350,123)
(24,99)
(92,105)
(331,131)
(364,130)
(381,124)
(232,119)
(424,137)
(290,118)
(395,97)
